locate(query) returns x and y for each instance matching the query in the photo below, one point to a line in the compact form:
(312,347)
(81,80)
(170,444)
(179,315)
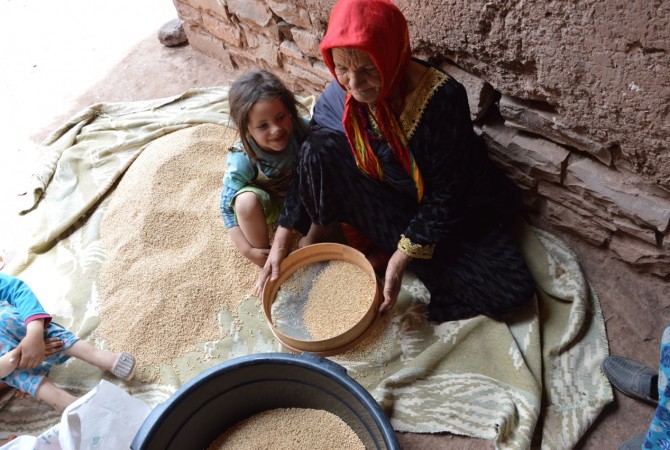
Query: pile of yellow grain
(170,266)
(289,429)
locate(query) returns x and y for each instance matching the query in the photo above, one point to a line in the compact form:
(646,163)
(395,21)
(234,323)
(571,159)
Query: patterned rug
(534,378)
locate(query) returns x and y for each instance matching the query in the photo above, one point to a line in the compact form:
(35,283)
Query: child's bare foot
(124,367)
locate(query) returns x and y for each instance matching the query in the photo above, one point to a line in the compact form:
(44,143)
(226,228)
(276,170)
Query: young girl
(30,344)
(260,164)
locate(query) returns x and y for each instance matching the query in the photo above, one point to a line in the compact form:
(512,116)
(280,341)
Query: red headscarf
(378,28)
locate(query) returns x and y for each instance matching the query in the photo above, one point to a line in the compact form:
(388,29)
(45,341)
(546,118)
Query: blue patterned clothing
(18,306)
(658,436)
(19,294)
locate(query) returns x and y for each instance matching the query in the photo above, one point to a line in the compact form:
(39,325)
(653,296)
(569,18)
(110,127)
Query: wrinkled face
(270,125)
(356,71)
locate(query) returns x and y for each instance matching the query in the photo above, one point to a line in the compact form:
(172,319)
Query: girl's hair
(252,87)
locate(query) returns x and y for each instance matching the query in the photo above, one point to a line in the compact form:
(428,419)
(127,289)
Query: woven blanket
(532,379)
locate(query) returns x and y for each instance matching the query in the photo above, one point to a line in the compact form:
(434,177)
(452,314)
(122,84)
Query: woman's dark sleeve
(293,214)
(447,152)
(328,113)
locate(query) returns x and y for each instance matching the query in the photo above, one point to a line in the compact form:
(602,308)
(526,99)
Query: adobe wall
(573,98)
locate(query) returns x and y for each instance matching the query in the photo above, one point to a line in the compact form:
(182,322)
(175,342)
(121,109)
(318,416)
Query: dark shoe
(633,378)
(634,443)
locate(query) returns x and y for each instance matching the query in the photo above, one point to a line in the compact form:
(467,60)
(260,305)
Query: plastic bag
(107,417)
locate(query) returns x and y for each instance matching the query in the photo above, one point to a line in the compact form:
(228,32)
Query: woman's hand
(270,269)
(32,347)
(281,244)
(52,346)
(393,279)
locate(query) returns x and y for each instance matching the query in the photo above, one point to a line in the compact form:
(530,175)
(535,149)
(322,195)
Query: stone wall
(573,98)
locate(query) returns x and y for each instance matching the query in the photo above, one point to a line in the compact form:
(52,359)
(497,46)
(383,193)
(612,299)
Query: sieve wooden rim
(309,255)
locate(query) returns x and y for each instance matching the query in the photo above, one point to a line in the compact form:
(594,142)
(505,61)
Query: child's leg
(101,359)
(251,219)
(120,364)
(58,398)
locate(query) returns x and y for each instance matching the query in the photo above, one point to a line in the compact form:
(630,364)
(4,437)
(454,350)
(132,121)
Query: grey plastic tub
(202,409)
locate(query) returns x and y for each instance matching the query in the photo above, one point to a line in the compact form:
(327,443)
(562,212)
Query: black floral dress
(467,207)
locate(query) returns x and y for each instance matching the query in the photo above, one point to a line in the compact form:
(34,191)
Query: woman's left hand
(393,279)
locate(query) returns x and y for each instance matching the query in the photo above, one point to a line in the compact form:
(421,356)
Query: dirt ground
(80,56)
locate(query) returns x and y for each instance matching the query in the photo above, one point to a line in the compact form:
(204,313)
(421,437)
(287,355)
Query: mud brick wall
(573,98)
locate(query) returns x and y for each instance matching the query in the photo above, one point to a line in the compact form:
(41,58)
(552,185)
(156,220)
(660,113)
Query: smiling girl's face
(270,125)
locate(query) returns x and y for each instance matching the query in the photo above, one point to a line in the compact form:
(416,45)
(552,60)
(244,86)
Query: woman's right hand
(270,269)
(280,245)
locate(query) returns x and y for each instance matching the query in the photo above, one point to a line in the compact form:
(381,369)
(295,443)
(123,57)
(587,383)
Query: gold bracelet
(415,250)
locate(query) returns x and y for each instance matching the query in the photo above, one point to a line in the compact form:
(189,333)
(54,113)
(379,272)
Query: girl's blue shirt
(19,295)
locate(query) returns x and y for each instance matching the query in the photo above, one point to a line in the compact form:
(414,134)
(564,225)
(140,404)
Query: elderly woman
(392,153)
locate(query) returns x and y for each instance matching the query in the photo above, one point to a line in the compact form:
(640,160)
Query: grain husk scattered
(289,429)
(170,266)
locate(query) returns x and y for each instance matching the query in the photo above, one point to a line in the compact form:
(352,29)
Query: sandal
(124,367)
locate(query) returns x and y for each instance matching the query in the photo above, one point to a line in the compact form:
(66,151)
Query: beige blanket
(95,260)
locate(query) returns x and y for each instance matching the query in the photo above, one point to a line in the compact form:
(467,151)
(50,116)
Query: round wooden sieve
(309,255)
